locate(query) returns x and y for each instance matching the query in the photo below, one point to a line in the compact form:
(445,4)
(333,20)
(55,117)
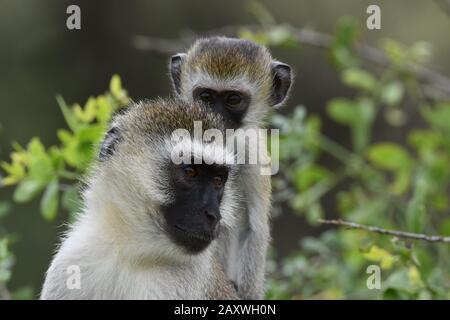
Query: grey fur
(118,243)
(223,63)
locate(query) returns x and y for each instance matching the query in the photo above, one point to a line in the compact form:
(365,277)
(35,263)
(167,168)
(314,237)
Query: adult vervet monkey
(239,80)
(148,227)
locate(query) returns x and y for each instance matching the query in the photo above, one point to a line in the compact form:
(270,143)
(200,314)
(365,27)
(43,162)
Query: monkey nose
(213,217)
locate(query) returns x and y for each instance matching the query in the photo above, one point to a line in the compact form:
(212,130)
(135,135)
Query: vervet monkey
(148,227)
(241,81)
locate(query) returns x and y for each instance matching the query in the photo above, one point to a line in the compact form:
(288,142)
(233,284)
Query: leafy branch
(435,84)
(396,233)
(35,168)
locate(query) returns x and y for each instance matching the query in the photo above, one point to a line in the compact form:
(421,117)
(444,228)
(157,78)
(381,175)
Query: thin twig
(396,233)
(436,85)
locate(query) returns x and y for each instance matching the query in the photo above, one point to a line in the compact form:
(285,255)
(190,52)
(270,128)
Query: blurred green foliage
(54,173)
(383,183)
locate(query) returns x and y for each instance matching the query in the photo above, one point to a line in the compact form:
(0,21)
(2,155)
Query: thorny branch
(435,85)
(396,233)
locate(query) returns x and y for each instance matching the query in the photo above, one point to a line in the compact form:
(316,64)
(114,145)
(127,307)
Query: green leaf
(91,134)
(393,157)
(313,213)
(49,201)
(26,190)
(342,111)
(258,37)
(105,109)
(64,135)
(5,208)
(15,170)
(79,149)
(346,201)
(3,248)
(281,35)
(385,258)
(361,129)
(440,201)
(346,32)
(115,86)
(358,115)
(41,169)
(341,51)
(367,211)
(68,114)
(392,93)
(304,200)
(309,175)
(56,158)
(5,275)
(420,51)
(438,116)
(88,113)
(354,114)
(402,181)
(389,156)
(399,281)
(359,79)
(396,52)
(425,141)
(414,276)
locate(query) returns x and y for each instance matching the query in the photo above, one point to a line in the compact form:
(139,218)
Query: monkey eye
(233,99)
(206,96)
(218,181)
(190,171)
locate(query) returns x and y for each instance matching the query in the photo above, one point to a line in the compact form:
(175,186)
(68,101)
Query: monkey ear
(112,137)
(176,61)
(282,79)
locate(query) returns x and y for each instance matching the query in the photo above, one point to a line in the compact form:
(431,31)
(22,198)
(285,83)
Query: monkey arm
(255,240)
(223,288)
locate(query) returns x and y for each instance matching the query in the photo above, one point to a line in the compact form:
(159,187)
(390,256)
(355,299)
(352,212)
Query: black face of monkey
(227,59)
(192,219)
(231,105)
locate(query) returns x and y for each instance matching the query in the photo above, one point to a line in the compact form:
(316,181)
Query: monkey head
(162,207)
(236,78)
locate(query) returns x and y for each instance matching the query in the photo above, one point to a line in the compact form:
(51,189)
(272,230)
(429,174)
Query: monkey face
(192,219)
(238,78)
(231,105)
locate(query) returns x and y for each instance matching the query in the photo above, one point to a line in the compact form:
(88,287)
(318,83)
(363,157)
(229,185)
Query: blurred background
(360,126)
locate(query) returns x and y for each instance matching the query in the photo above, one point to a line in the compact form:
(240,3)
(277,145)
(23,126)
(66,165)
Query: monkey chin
(192,242)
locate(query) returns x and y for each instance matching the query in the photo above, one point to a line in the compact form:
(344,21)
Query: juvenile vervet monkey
(239,80)
(148,226)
